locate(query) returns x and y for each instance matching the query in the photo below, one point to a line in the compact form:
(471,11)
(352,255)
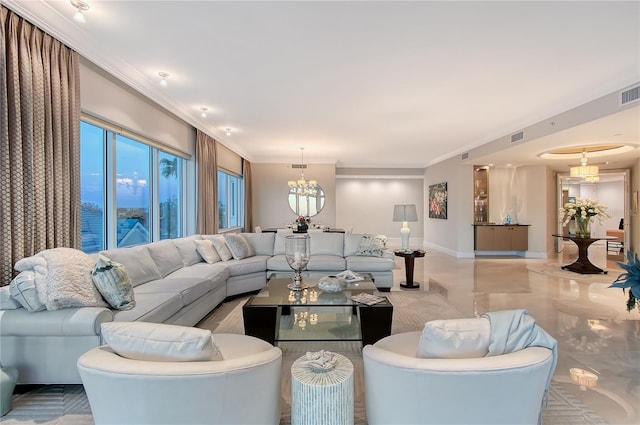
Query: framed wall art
(438,201)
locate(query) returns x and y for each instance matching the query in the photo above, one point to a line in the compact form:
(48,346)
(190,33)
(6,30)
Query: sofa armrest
(68,321)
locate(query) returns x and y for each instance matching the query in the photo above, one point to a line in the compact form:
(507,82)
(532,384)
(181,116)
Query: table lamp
(405,213)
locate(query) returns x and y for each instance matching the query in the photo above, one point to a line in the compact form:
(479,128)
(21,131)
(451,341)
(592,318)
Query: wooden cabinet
(480,193)
(501,238)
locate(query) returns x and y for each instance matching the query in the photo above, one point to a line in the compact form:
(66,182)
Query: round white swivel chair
(244,388)
(401,388)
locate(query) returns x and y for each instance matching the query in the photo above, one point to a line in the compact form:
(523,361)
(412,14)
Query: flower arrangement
(303,220)
(583,208)
(630,279)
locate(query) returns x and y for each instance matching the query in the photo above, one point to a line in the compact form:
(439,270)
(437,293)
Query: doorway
(613,190)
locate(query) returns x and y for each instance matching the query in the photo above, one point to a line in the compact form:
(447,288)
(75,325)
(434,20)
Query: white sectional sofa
(172,284)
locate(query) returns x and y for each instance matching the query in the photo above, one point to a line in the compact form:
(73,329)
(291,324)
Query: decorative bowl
(332,284)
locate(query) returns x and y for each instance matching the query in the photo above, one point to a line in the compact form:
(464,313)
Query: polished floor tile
(590,321)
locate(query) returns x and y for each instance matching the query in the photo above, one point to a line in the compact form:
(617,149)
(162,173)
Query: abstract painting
(438,201)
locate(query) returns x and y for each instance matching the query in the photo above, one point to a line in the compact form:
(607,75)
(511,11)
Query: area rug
(555,270)
(67,404)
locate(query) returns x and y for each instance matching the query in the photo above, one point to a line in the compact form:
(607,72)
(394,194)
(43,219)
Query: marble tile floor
(589,320)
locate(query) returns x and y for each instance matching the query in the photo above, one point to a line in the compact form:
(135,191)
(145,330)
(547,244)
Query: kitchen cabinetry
(501,237)
(480,193)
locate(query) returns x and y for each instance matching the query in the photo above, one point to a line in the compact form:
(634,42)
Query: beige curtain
(206,163)
(39,143)
(248,203)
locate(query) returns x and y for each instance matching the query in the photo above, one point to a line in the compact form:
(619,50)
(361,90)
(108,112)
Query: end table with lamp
(409,256)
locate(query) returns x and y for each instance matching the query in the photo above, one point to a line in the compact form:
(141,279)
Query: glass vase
(583,227)
(297,253)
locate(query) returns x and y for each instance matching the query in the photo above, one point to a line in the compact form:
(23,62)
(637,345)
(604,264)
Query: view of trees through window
(118,191)
(230,201)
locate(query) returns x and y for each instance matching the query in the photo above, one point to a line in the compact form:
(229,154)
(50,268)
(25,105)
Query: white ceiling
(365,84)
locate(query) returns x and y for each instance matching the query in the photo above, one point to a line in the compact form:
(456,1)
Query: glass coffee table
(278,314)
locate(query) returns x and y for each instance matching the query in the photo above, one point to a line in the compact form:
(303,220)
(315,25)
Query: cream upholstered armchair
(402,388)
(241,388)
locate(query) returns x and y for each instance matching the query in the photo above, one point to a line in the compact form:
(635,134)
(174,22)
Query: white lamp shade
(405,212)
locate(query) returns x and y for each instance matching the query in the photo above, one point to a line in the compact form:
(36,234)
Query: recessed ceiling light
(163,78)
(203,112)
(228,130)
(80,6)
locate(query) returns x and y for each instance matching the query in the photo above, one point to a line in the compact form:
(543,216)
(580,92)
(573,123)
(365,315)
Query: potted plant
(630,280)
(303,223)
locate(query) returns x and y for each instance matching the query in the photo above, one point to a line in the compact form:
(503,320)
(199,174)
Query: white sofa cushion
(23,289)
(138,262)
(114,284)
(327,244)
(361,263)
(279,242)
(455,339)
(220,245)
(326,262)
(155,307)
(257,263)
(262,243)
(351,243)
(187,249)
(240,248)
(160,342)
(166,256)
(207,251)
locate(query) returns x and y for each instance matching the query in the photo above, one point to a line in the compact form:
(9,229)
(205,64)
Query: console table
(582,265)
(409,259)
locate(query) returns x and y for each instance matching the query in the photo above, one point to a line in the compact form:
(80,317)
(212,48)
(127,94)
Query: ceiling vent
(631,95)
(465,156)
(517,137)
(299,166)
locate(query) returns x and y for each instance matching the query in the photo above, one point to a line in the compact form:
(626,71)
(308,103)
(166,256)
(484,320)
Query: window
(170,199)
(131,192)
(230,201)
(92,182)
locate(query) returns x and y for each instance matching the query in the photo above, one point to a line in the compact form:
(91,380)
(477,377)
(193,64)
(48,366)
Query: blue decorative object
(508,219)
(630,280)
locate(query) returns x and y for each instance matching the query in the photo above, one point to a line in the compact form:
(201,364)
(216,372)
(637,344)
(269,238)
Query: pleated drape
(207,166)
(39,143)
(248,202)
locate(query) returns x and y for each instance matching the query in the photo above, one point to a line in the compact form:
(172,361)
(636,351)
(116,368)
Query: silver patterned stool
(322,397)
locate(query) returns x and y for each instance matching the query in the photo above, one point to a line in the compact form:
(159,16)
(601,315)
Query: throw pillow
(23,289)
(220,245)
(370,246)
(114,284)
(160,342)
(207,251)
(455,339)
(240,248)
(63,278)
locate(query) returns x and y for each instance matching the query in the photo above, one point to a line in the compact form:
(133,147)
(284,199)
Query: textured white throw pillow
(7,302)
(160,342)
(455,339)
(114,284)
(207,251)
(220,245)
(371,246)
(240,248)
(63,278)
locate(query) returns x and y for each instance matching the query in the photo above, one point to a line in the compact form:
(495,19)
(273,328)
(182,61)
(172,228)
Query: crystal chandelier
(302,186)
(588,172)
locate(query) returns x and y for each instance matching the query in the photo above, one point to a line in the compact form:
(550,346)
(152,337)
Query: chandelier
(302,186)
(588,172)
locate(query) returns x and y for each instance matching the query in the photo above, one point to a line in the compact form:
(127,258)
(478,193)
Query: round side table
(409,257)
(322,397)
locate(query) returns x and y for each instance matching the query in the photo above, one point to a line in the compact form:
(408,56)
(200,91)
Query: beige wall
(365,204)
(634,228)
(455,234)
(270,192)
